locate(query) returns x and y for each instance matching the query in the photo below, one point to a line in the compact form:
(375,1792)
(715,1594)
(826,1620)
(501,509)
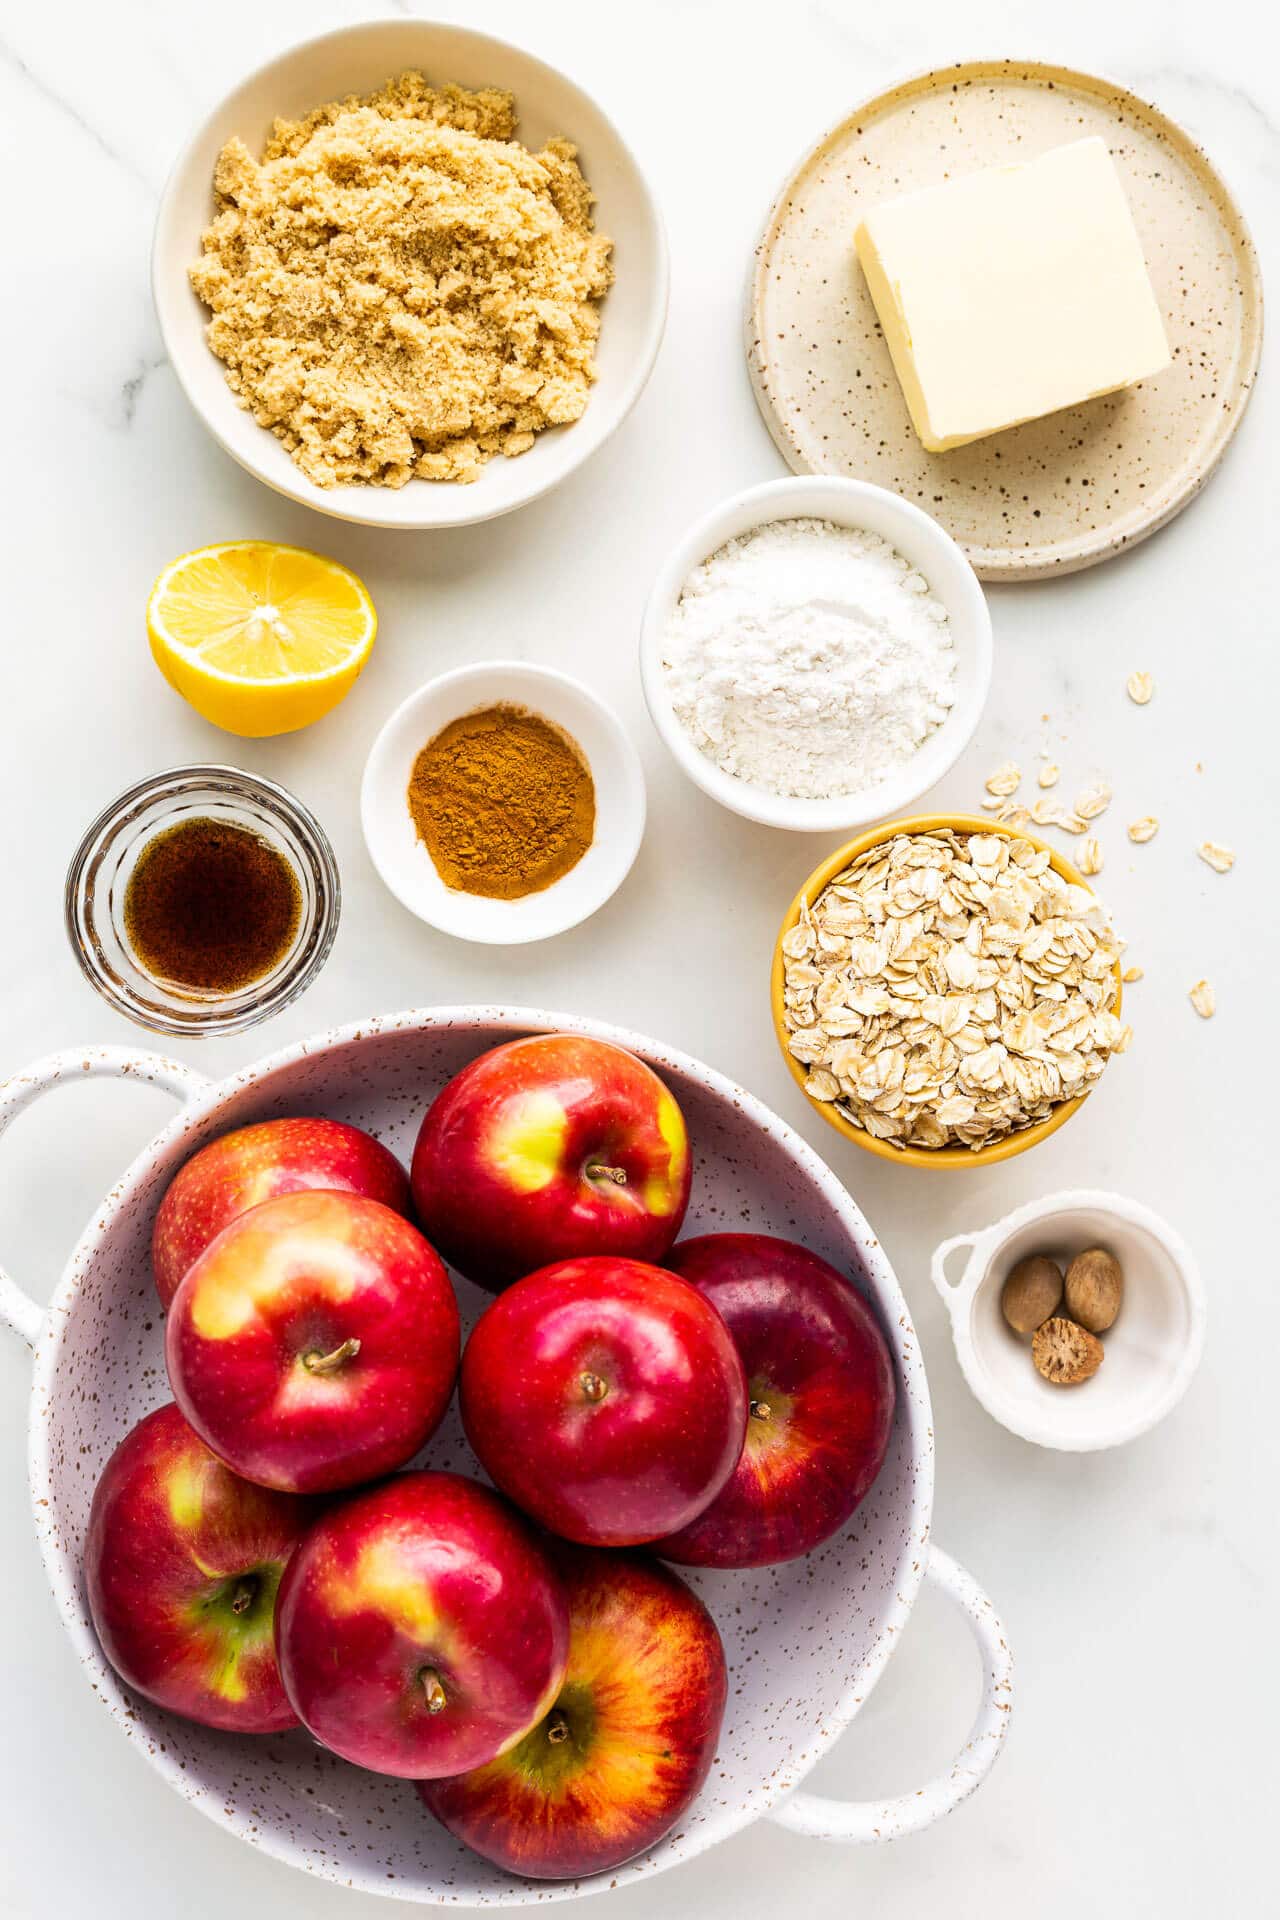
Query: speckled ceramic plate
(806,1642)
(1057,493)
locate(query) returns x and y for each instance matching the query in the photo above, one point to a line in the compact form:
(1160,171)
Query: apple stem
(245,1593)
(761,1410)
(593,1387)
(330,1362)
(433,1688)
(557,1729)
(595,1171)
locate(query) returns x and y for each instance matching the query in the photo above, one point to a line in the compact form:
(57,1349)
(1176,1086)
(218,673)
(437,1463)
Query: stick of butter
(1007,294)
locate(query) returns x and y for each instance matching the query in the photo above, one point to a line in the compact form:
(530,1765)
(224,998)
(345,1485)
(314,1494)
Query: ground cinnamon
(504,803)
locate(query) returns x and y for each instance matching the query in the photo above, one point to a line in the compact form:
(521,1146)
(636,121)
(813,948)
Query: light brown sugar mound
(399,288)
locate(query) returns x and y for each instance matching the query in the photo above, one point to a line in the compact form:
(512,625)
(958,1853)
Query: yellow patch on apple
(184,1491)
(228,1680)
(526,1145)
(229,1293)
(381,1580)
(661,1192)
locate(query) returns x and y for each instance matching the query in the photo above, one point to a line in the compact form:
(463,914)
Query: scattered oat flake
(1004,780)
(1050,773)
(1140,687)
(1204,999)
(1131,974)
(1140,831)
(1220,858)
(1048,813)
(1089,856)
(1093,801)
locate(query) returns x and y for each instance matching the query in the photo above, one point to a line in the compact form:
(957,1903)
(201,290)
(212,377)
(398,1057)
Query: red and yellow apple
(821,1387)
(627,1743)
(253,1164)
(606,1398)
(182,1562)
(314,1344)
(547,1148)
(420,1628)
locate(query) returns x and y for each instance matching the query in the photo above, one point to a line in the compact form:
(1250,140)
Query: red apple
(254,1164)
(314,1343)
(547,1148)
(182,1563)
(606,1398)
(628,1742)
(820,1379)
(421,1628)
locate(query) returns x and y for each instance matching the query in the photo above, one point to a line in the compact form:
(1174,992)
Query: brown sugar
(504,803)
(399,288)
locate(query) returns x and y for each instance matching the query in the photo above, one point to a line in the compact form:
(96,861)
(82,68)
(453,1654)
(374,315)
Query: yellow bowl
(1010,1144)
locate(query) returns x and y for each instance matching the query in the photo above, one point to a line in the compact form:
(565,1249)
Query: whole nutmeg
(1065,1353)
(1094,1290)
(1031,1293)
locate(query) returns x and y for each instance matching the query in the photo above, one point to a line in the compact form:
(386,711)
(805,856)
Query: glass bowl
(99,875)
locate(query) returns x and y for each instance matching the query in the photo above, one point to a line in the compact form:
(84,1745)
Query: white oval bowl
(401,857)
(357,59)
(806,1642)
(1150,1354)
(849,503)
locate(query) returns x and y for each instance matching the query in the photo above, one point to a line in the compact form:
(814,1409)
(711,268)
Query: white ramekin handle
(938,1265)
(17,1309)
(860,1822)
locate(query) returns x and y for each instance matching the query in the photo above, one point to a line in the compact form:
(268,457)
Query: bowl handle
(17,1309)
(941,1254)
(859,1822)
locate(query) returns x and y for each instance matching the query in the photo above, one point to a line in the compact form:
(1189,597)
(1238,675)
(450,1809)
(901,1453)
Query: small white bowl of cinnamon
(503,803)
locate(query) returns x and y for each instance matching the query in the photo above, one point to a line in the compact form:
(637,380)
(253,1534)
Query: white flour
(809,658)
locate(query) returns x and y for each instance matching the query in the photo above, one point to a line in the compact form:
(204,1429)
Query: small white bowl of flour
(816,653)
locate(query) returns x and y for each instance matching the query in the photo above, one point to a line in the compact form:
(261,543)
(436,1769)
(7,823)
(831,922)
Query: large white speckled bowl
(805,1642)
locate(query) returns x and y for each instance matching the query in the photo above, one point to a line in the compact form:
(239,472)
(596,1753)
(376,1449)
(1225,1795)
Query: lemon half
(260,639)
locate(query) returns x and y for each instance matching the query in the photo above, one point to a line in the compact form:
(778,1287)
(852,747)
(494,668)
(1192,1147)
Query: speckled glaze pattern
(805,1642)
(1077,486)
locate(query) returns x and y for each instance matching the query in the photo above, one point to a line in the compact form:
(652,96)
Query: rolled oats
(949,989)
(1140,831)
(1204,999)
(1094,801)
(1089,856)
(1050,774)
(1049,813)
(1131,974)
(1140,687)
(1220,858)
(1005,780)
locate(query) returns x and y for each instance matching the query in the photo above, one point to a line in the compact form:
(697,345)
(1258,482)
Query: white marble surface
(1139,1587)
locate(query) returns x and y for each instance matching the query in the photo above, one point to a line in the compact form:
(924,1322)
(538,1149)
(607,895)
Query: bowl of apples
(484,1456)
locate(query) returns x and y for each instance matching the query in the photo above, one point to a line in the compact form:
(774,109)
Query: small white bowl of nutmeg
(1078,1320)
